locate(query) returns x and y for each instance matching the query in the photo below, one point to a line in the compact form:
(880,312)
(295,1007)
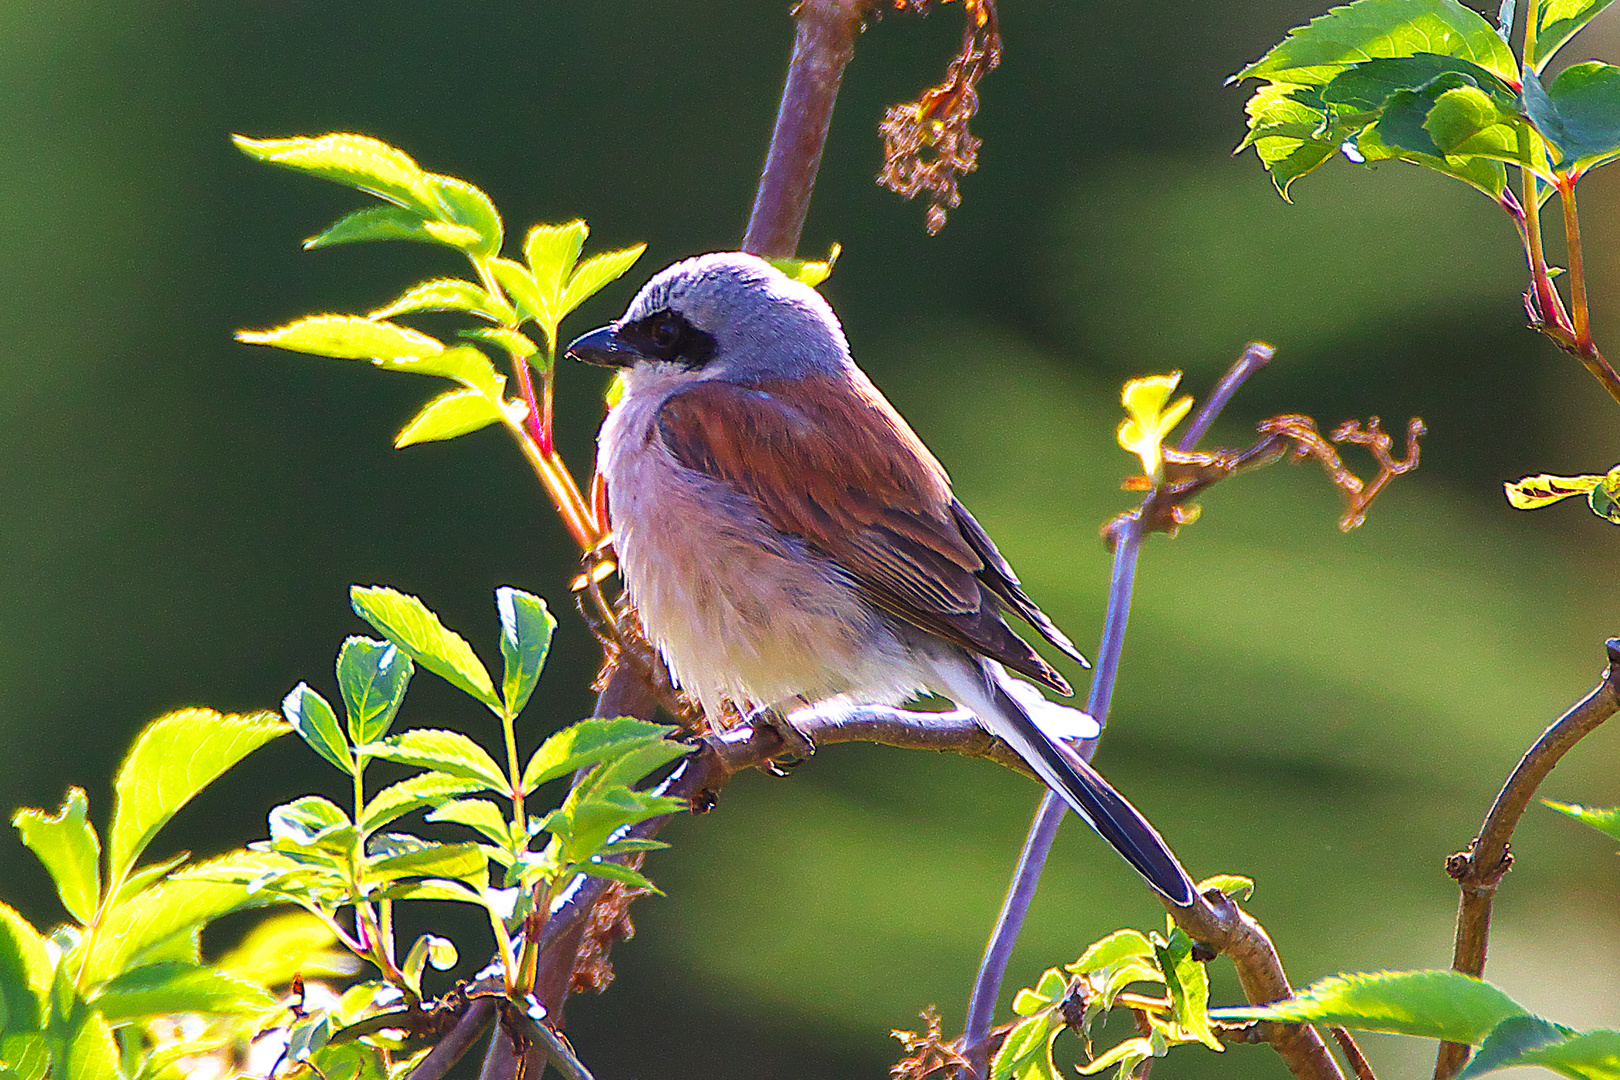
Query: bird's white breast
(740,611)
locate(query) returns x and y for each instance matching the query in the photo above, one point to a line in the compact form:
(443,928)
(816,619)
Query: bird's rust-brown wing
(830,462)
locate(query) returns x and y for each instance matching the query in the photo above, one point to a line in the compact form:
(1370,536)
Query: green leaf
(1238,888)
(613,871)
(167,988)
(426,789)
(352,1060)
(451,414)
(307,821)
(432,889)
(1364,87)
(346,337)
(1428,1004)
(24,1056)
(519,346)
(66,843)
(173,908)
(1591,1055)
(1604,499)
(1313,54)
(392,223)
(357,161)
(1509,1039)
(173,758)
(1579,112)
(1561,20)
(428,949)
(281,946)
(465,364)
(811,272)
(596,272)
(447,294)
(26,970)
(138,879)
(317,725)
(372,676)
(551,252)
(1188,983)
(1026,1053)
(1466,120)
(1604,820)
(468,206)
(408,623)
(1127,1055)
(520,285)
(91,1052)
(459,862)
(1112,949)
(443,751)
(526,628)
(587,743)
(479,814)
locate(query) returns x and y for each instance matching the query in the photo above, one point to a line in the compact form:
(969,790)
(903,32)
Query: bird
(788,540)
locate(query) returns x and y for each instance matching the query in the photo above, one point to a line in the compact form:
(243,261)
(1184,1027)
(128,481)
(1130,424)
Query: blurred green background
(180,515)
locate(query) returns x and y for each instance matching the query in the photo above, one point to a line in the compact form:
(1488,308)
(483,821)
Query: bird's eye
(666,332)
(666,335)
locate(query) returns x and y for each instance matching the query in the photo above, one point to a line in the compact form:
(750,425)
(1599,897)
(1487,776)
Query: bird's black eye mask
(666,335)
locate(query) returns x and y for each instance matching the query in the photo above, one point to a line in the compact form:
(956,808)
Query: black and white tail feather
(983,686)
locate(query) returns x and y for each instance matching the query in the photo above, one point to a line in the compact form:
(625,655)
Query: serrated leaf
(25,973)
(1026,1052)
(357,161)
(67,844)
(346,337)
(551,252)
(432,889)
(1561,20)
(1364,87)
(25,1056)
(518,345)
(177,906)
(1127,1055)
(167,988)
(408,623)
(91,1052)
(451,414)
(1508,1040)
(1466,120)
(1369,29)
(392,223)
(307,821)
(468,206)
(1442,1005)
(459,862)
(613,871)
(463,363)
(1579,112)
(478,814)
(443,751)
(172,759)
(312,717)
(140,878)
(520,285)
(372,677)
(596,272)
(447,294)
(587,743)
(1605,820)
(1188,984)
(1591,1055)
(633,764)
(1534,492)
(427,789)
(286,945)
(811,272)
(1112,949)
(526,628)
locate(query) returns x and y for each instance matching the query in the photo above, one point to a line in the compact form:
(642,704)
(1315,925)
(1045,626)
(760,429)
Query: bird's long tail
(981,686)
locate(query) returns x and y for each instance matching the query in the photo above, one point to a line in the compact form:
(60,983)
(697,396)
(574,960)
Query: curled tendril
(926,143)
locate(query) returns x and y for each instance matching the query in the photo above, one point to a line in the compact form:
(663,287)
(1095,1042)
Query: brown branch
(1352,1053)
(449,1050)
(823,43)
(1480,869)
(1215,920)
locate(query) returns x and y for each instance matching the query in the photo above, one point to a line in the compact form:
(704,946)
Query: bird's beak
(604,348)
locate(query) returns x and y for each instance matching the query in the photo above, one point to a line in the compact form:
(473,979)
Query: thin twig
(1480,869)
(1352,1054)
(823,43)
(449,1050)
(1049,815)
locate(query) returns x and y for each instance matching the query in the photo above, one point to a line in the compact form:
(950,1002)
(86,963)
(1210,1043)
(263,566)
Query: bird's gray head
(726,315)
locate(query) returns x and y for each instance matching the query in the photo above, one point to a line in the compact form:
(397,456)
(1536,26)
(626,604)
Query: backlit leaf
(167,988)
(526,628)
(443,751)
(1591,1055)
(447,294)
(346,337)
(284,945)
(1560,21)
(596,272)
(172,759)
(1605,820)
(372,676)
(1578,112)
(520,285)
(66,843)
(25,973)
(518,345)
(811,272)
(312,717)
(479,814)
(551,252)
(465,364)
(1112,949)
(91,1052)
(459,862)
(451,414)
(357,161)
(1510,1039)
(1364,87)
(1188,984)
(408,623)
(1534,492)
(467,205)
(414,793)
(1428,1004)
(392,223)
(587,743)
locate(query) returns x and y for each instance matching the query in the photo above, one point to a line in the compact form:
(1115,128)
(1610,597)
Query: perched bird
(787,539)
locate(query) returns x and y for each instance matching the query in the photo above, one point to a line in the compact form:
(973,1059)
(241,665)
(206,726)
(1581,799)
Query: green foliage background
(180,515)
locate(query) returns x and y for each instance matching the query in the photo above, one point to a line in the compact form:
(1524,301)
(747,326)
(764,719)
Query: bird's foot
(797,747)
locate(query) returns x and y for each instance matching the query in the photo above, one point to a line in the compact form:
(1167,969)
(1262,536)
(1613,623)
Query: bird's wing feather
(830,462)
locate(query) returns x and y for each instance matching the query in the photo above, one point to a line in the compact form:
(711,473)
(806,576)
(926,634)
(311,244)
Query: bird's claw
(797,747)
